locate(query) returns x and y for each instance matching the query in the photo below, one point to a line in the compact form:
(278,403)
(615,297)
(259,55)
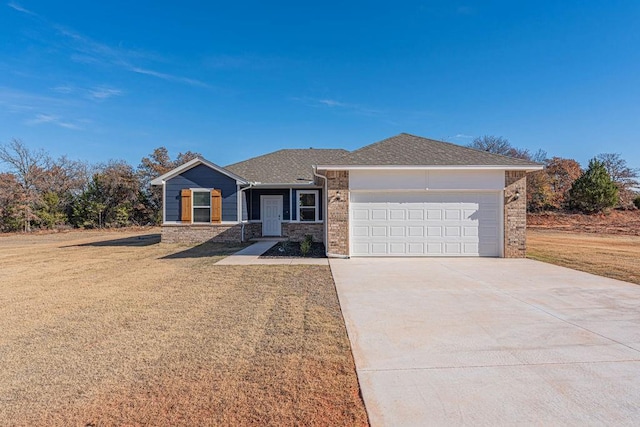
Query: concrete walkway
(251,256)
(491,342)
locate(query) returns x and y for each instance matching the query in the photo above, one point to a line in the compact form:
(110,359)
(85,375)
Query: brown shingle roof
(411,150)
(285,166)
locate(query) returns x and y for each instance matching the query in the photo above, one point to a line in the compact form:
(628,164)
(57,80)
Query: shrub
(636,202)
(594,191)
(305,246)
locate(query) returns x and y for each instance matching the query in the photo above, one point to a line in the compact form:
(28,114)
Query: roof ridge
(408,149)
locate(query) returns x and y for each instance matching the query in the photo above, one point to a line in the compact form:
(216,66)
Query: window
(308,205)
(201,206)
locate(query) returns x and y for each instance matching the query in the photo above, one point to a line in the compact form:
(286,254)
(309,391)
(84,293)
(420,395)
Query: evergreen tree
(594,191)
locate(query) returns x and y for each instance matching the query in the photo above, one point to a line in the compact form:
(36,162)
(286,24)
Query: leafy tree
(158,163)
(549,188)
(594,191)
(539,192)
(625,177)
(10,203)
(112,198)
(51,213)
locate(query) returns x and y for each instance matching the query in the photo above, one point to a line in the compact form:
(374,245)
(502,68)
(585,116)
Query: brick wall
(338,213)
(193,234)
(252,230)
(296,231)
(515,214)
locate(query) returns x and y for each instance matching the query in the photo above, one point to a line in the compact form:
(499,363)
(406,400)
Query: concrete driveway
(491,341)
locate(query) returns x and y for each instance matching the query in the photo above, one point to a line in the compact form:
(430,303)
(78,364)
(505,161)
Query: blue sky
(232,80)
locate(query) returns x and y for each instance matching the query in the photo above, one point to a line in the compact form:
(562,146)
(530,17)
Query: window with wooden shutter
(201,206)
(216,206)
(186,205)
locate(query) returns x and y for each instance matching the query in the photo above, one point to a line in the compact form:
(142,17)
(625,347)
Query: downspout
(242,222)
(325,210)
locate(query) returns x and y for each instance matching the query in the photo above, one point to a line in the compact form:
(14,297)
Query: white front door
(271,213)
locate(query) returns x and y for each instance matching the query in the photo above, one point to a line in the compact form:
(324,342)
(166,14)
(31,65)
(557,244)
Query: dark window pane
(307,214)
(307,199)
(201,215)
(201,198)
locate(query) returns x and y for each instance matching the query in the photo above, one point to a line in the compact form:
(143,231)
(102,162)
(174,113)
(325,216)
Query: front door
(271,212)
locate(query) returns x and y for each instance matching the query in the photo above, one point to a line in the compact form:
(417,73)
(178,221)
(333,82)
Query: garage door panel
(415,248)
(397,214)
(470,248)
(360,214)
(360,231)
(434,231)
(434,214)
(415,214)
(379,249)
(378,214)
(397,231)
(486,249)
(425,224)
(397,249)
(378,231)
(452,231)
(434,248)
(452,214)
(486,232)
(470,231)
(415,231)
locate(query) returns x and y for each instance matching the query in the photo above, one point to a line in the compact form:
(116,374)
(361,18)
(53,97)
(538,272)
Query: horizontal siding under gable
(201,176)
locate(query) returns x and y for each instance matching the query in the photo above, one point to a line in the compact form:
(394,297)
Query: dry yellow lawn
(105,328)
(610,255)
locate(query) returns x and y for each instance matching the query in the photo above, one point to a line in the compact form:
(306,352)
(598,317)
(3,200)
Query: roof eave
(526,168)
(193,163)
(309,183)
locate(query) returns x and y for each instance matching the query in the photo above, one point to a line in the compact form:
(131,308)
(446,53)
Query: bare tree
(492,144)
(28,167)
(625,177)
(502,146)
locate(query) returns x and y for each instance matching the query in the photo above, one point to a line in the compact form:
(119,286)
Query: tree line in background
(45,193)
(41,192)
(607,182)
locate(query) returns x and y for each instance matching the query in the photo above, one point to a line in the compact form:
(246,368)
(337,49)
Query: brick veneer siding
(295,231)
(515,214)
(252,230)
(193,234)
(338,213)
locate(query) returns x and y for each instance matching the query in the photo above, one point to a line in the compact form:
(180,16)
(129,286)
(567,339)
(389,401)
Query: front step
(269,239)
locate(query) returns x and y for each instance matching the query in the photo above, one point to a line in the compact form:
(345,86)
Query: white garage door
(425,224)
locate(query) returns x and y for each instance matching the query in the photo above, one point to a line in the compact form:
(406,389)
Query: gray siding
(202,176)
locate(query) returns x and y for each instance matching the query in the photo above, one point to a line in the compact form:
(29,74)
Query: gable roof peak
(192,164)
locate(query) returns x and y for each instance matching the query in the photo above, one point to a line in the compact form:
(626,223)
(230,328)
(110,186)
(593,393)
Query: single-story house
(403,196)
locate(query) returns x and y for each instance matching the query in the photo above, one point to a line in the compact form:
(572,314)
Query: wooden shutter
(186,205)
(216,206)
